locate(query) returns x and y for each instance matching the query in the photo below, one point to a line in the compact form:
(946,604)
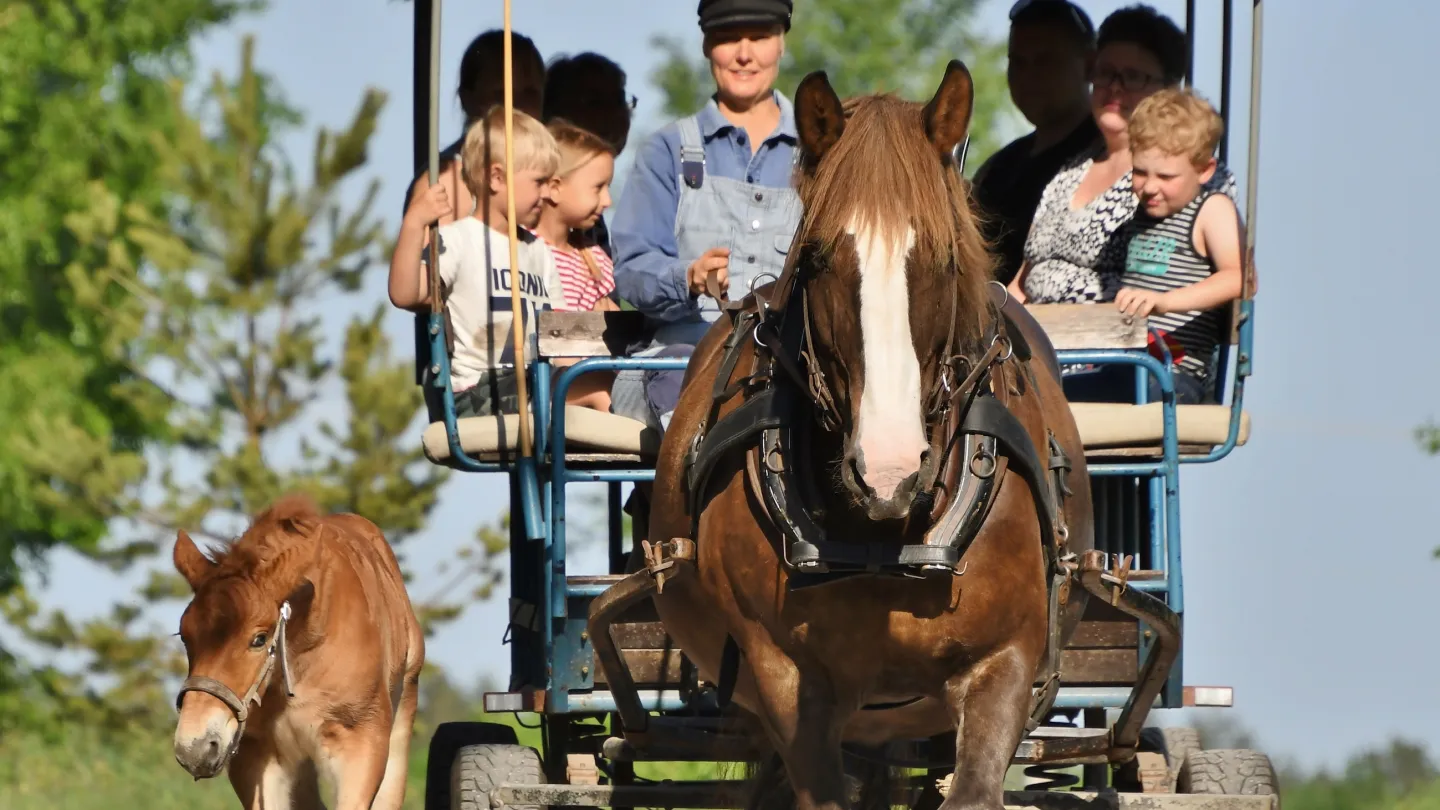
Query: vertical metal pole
(423,48)
(1252,161)
(516,307)
(1226,54)
(432,148)
(614,511)
(1189,43)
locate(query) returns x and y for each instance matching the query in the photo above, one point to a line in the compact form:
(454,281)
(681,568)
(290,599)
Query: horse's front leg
(803,720)
(991,702)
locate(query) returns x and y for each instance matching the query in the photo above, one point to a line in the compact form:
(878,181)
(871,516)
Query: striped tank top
(1162,257)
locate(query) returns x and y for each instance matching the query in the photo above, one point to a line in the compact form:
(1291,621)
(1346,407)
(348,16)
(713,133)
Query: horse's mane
(290,520)
(885,173)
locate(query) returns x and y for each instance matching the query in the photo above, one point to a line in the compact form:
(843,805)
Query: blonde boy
(474,253)
(1183,258)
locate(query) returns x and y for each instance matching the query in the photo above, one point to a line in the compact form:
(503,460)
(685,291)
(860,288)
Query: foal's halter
(241,705)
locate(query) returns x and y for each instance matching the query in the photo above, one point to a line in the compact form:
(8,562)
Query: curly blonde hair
(1176,122)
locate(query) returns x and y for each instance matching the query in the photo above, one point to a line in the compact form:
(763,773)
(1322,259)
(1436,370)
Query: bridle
(241,705)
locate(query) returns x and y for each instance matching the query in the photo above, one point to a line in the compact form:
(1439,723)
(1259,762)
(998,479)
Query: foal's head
(894,269)
(229,626)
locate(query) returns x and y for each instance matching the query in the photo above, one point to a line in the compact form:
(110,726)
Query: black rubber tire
(1233,772)
(445,743)
(1178,743)
(479,769)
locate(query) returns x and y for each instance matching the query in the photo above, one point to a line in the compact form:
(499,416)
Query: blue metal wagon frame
(551,664)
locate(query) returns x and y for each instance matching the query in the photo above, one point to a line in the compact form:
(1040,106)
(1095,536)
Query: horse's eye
(258,641)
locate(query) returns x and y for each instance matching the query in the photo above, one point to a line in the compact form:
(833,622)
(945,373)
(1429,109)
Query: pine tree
(221,320)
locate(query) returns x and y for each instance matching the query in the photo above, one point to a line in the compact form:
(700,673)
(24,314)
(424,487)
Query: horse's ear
(819,115)
(192,564)
(947,116)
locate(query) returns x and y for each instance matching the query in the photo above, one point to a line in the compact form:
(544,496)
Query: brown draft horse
(304,653)
(893,270)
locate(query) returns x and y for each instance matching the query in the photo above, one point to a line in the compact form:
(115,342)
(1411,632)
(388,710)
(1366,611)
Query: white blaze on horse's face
(889,433)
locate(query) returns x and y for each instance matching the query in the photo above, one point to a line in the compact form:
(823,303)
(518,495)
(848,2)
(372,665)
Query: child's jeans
(1116,383)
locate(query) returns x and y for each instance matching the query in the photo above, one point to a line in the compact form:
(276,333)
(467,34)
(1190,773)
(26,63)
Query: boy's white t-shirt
(474,265)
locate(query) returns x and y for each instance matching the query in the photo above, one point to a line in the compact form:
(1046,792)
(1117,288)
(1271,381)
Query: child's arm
(1016,287)
(1217,236)
(409,286)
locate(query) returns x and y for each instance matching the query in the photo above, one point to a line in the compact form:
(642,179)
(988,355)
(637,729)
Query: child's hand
(430,205)
(1140,302)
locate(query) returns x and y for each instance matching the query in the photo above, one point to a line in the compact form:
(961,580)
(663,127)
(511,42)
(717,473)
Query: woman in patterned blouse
(1075,251)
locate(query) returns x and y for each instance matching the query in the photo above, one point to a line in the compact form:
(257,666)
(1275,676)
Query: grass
(77,770)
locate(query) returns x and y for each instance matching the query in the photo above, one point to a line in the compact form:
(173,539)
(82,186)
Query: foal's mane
(885,175)
(291,520)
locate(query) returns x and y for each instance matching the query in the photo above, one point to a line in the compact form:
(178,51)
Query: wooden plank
(588,334)
(1144,452)
(641,636)
(649,667)
(1089,326)
(1114,667)
(1105,634)
(1091,667)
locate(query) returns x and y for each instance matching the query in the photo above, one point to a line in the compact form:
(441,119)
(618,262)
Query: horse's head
(232,626)
(893,269)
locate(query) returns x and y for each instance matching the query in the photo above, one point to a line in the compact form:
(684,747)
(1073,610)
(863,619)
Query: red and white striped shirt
(581,288)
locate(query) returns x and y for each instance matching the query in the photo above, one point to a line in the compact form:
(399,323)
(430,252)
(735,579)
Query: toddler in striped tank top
(575,198)
(1183,253)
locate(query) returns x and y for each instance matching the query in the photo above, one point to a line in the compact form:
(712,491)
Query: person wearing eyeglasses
(1076,249)
(709,196)
(1051,49)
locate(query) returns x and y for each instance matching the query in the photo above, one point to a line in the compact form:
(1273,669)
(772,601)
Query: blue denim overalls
(757,224)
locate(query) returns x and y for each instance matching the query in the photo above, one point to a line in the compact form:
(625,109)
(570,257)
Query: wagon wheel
(1235,772)
(445,744)
(479,769)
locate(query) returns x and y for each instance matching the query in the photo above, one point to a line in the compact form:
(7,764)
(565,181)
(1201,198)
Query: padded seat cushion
(586,431)
(1102,425)
(1108,425)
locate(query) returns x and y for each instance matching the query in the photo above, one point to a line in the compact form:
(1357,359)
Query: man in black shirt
(1051,49)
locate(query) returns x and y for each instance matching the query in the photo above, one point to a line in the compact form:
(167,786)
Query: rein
(241,705)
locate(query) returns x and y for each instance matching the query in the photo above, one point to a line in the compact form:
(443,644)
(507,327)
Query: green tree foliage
(221,321)
(865,47)
(1428,437)
(82,91)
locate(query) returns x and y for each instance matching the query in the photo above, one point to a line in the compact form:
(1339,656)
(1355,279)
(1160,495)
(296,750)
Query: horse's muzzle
(205,756)
(899,497)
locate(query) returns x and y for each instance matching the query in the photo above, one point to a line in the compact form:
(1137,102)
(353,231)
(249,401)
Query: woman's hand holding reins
(713,261)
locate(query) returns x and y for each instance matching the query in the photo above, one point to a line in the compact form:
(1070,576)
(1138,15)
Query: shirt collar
(713,122)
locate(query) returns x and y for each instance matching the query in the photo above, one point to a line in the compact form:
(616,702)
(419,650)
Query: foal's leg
(800,715)
(355,759)
(392,788)
(991,703)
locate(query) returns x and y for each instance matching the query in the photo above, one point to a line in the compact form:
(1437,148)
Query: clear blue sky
(1307,552)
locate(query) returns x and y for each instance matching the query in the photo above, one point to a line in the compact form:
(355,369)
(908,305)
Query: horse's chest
(295,736)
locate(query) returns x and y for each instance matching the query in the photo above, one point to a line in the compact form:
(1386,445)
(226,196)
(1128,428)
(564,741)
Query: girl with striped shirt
(575,197)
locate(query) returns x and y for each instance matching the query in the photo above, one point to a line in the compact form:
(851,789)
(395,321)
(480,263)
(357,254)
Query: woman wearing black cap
(710,193)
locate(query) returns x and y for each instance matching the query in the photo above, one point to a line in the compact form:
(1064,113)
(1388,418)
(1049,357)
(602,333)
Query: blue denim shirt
(649,273)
